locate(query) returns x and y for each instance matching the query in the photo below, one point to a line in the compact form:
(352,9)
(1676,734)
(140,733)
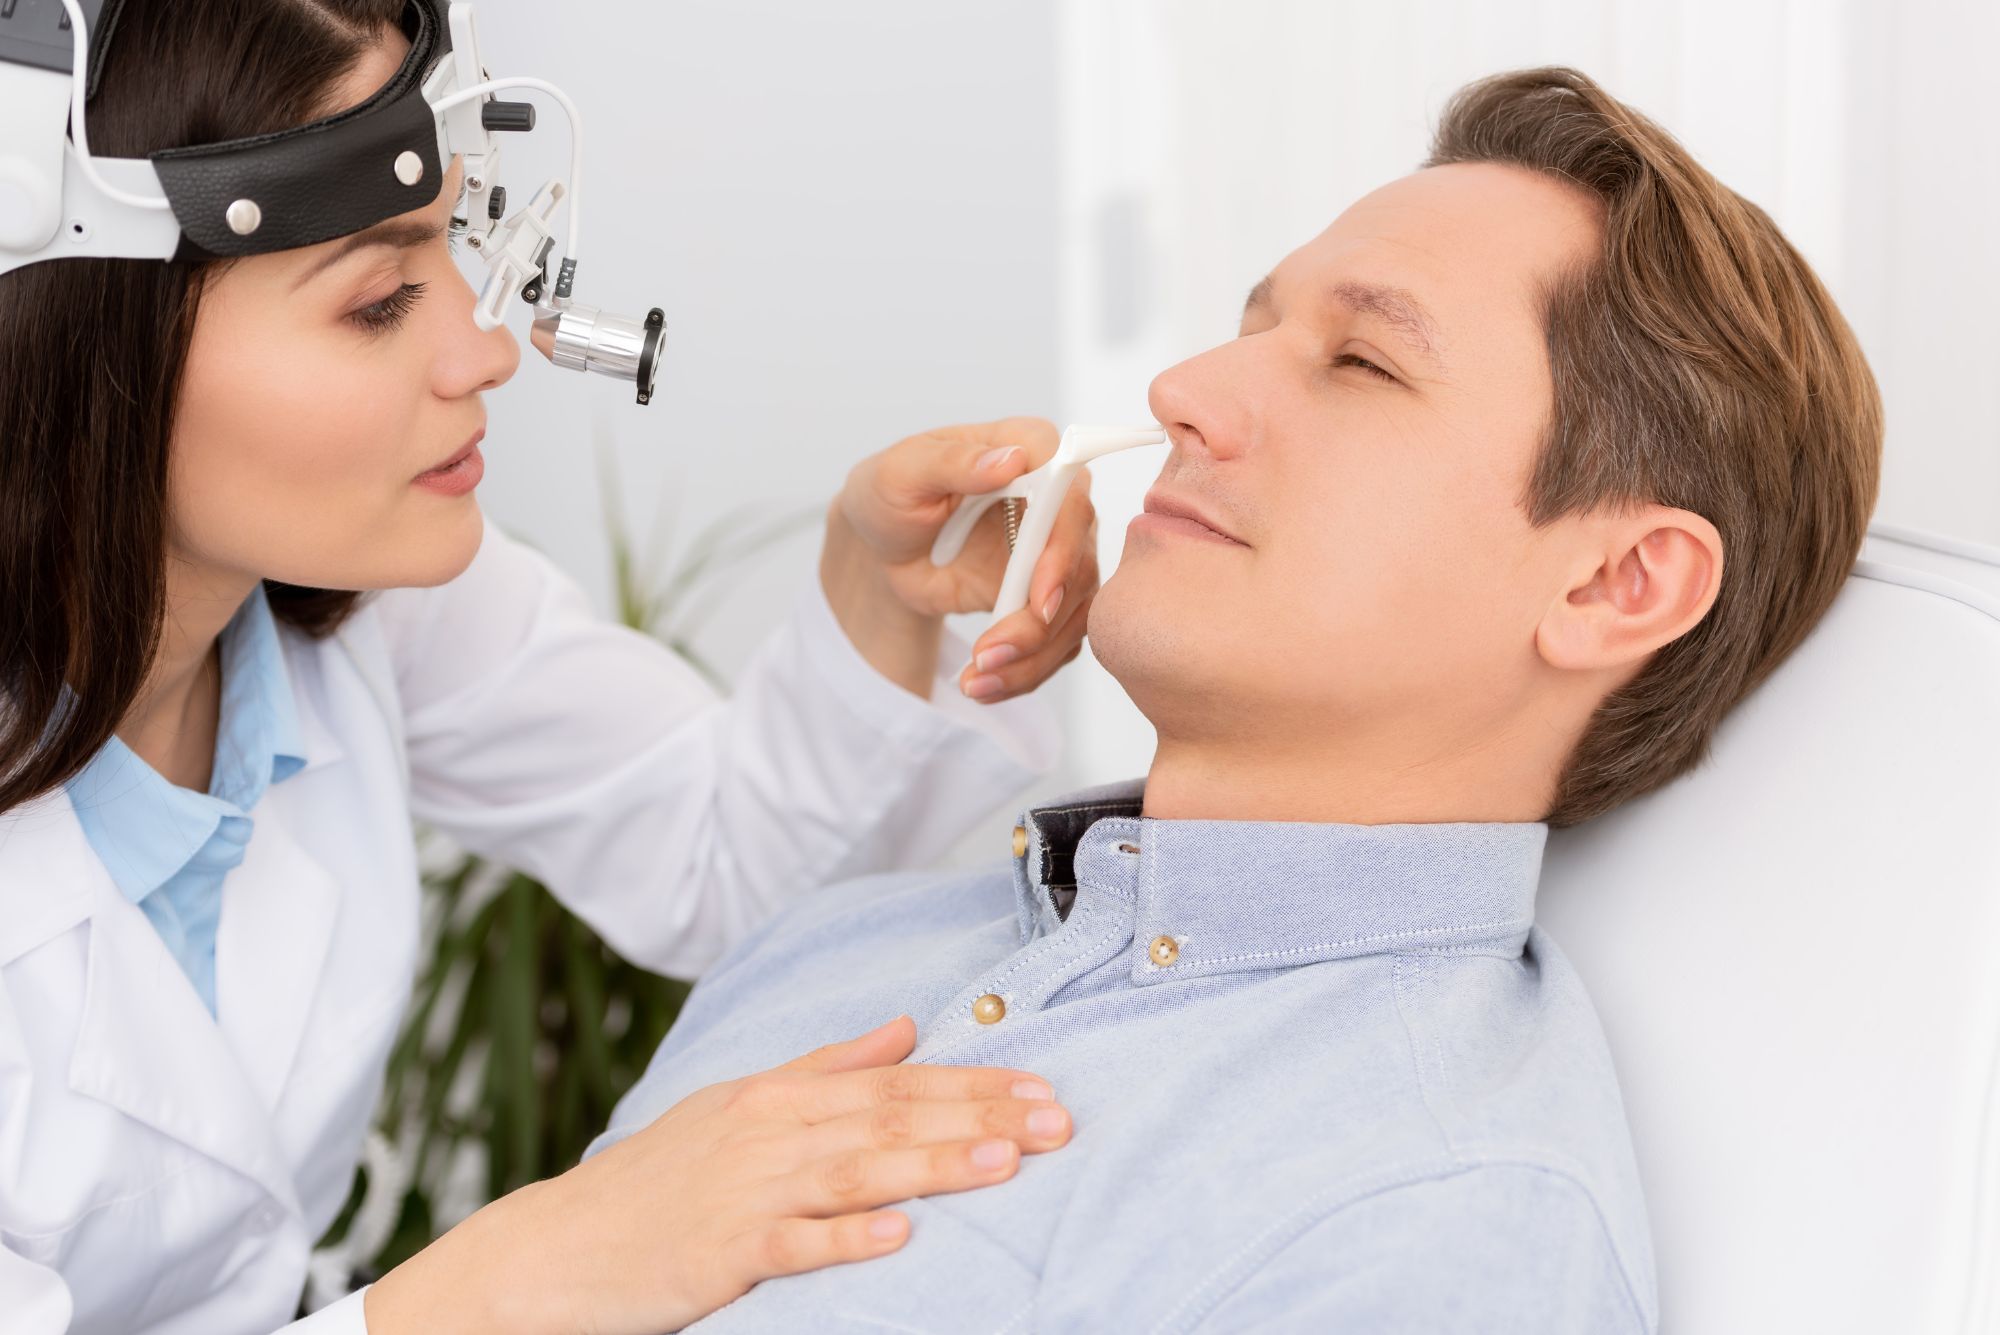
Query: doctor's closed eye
(381,316)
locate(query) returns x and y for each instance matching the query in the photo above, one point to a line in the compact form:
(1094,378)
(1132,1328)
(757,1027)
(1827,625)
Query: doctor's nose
(472,360)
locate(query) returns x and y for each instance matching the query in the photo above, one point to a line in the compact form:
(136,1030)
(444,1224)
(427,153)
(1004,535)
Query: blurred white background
(868,218)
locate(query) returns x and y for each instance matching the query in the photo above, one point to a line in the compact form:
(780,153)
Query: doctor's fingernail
(1047,1123)
(999,656)
(993,1154)
(979,688)
(994,458)
(1053,605)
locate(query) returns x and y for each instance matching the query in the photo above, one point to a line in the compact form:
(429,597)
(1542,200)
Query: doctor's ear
(1648,577)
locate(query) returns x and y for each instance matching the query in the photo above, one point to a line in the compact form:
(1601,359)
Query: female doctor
(211,745)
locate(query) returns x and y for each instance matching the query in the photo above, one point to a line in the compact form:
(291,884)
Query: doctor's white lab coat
(165,1171)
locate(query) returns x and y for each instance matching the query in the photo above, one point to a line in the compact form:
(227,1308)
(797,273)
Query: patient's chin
(1141,634)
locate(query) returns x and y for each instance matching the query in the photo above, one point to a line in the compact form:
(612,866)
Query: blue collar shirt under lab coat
(169,848)
(1363,1094)
(167,1171)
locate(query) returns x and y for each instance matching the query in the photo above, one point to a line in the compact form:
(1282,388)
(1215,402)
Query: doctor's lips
(1168,513)
(458,474)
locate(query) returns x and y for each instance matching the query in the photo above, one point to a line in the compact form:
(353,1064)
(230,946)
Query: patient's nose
(1201,409)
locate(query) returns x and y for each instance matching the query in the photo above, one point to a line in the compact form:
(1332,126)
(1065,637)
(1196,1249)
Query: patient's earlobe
(1653,582)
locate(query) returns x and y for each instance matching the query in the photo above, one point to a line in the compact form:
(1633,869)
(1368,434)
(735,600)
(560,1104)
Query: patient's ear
(1649,575)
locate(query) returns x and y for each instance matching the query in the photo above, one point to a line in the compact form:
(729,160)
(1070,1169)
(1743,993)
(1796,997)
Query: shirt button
(1164,951)
(1020,841)
(989,1009)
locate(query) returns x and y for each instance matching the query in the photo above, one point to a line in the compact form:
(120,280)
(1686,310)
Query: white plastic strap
(31,156)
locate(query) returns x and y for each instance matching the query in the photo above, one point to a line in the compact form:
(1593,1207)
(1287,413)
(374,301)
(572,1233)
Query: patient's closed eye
(1349,359)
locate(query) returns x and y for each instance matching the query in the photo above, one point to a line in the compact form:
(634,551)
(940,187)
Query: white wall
(1203,141)
(868,218)
(846,212)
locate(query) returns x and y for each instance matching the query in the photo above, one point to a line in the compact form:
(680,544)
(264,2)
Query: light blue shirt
(1364,1095)
(169,848)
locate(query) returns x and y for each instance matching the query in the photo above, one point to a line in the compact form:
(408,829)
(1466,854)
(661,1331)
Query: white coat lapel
(46,871)
(148,1047)
(278,912)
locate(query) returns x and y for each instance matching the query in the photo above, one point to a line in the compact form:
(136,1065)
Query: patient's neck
(1357,781)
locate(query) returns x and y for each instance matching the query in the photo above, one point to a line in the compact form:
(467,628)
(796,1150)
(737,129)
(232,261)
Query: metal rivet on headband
(409,167)
(244,217)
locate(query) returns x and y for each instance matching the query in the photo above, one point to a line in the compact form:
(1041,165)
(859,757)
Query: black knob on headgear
(518,117)
(496,203)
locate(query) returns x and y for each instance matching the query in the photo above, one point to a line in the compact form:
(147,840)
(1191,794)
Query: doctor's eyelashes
(386,314)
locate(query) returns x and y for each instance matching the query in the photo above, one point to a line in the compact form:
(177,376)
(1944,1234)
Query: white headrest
(1796,954)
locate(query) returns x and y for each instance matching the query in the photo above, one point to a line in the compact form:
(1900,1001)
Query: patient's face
(1365,440)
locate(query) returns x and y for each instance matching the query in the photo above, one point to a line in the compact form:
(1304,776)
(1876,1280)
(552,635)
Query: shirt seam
(1079,915)
(1196,963)
(1088,949)
(1084,806)
(1105,887)
(1399,992)
(1189,1312)
(1370,939)
(1018,1321)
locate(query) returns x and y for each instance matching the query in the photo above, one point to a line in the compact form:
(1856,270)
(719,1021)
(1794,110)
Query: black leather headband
(314,182)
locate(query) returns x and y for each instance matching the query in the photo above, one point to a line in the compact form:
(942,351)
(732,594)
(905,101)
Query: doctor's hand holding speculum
(255,623)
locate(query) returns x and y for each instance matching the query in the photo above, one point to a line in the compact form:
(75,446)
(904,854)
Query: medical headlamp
(298,187)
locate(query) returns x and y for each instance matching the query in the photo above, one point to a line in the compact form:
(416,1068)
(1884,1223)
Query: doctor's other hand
(891,601)
(770,1175)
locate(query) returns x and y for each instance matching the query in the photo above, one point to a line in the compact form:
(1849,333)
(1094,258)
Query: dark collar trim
(1060,829)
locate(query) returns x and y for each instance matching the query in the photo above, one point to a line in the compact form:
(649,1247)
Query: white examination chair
(1796,954)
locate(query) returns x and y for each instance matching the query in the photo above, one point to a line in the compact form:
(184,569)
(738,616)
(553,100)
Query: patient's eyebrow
(1260,296)
(1394,306)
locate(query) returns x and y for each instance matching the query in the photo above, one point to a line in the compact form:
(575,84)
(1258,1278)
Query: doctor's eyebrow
(399,233)
(1394,306)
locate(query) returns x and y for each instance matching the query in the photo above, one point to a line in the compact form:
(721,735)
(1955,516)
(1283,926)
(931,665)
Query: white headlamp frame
(302,186)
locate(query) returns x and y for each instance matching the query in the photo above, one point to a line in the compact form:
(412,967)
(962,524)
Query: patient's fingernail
(993,1154)
(999,656)
(1031,1089)
(1047,1122)
(886,1227)
(981,688)
(1052,606)
(994,458)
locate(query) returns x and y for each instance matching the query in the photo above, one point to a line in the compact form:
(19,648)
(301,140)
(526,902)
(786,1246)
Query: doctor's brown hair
(1698,363)
(91,356)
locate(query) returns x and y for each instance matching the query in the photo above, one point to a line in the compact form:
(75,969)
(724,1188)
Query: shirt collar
(1240,895)
(145,829)
(257,739)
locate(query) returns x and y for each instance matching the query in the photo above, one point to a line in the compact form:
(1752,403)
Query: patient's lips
(1167,513)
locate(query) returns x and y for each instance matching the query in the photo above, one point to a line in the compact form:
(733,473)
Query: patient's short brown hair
(1698,363)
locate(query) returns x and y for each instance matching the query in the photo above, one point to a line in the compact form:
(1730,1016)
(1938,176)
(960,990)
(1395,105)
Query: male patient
(1514,481)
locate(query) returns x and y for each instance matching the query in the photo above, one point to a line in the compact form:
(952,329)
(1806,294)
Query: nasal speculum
(1031,503)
